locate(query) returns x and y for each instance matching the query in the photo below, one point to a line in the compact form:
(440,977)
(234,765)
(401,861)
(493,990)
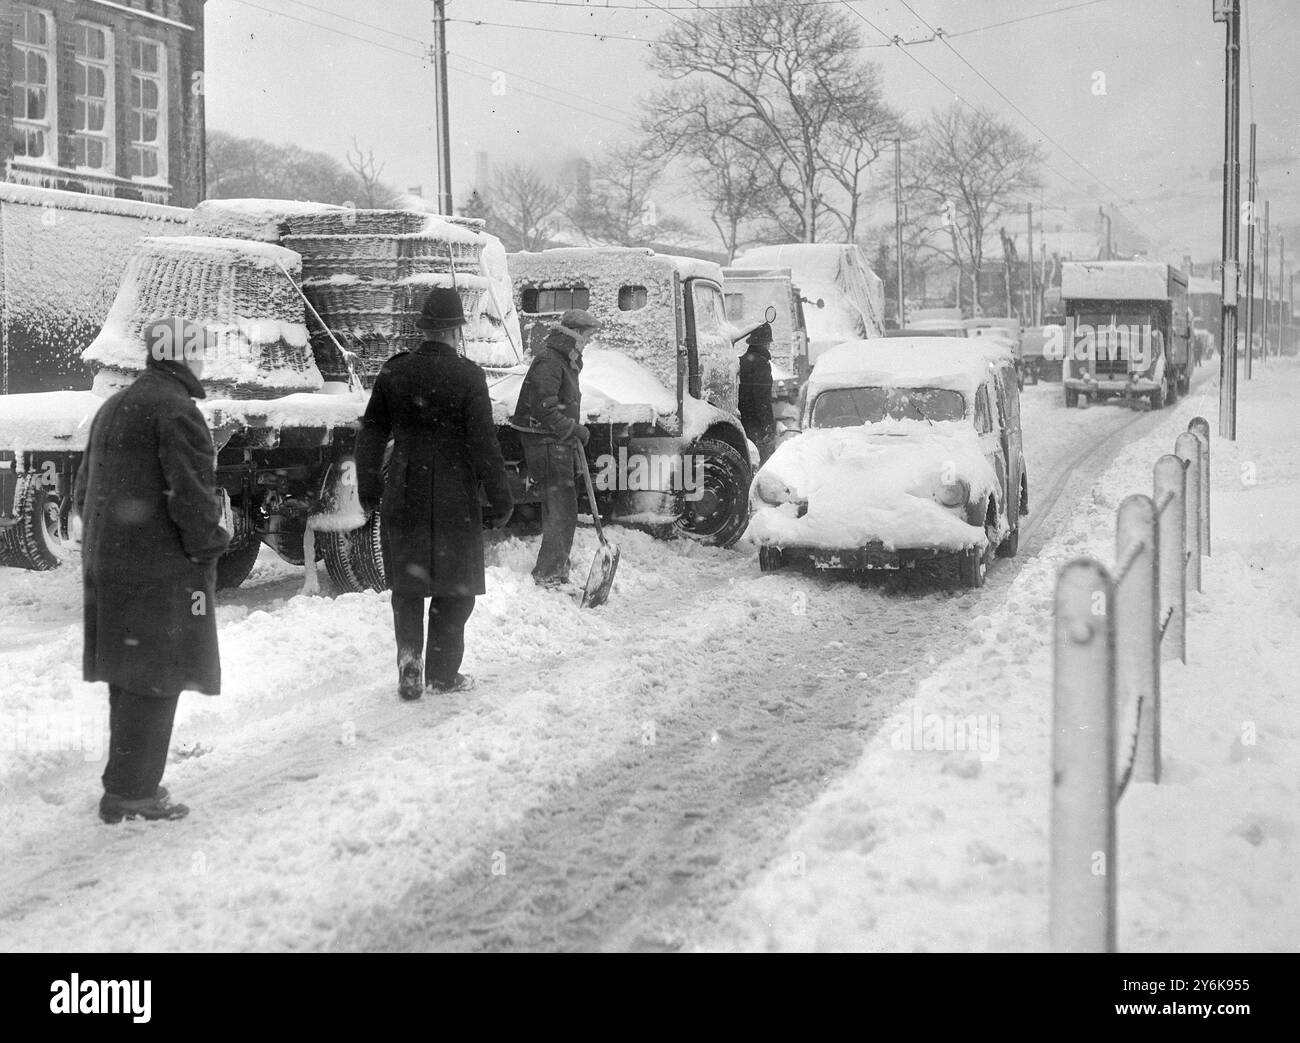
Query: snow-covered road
(612,781)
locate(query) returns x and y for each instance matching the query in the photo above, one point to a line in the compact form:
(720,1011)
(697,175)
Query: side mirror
(821,303)
(770,313)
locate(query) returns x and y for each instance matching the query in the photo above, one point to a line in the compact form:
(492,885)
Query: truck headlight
(953,494)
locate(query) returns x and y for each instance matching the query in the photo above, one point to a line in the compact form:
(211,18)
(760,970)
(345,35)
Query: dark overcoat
(550,397)
(755,397)
(434,406)
(151,537)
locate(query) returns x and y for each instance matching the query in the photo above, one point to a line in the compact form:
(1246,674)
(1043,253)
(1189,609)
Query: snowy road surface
(615,779)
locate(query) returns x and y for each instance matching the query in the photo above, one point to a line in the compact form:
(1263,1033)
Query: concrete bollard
(1137,636)
(1200,426)
(1169,486)
(1187,447)
(1082,891)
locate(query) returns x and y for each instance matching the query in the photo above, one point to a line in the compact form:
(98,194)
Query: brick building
(104,97)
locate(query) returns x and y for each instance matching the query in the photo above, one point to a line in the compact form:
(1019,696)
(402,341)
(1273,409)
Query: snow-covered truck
(749,292)
(659,385)
(286,391)
(1126,331)
(845,299)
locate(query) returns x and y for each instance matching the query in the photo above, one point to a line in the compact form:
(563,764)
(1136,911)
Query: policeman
(433,405)
(755,398)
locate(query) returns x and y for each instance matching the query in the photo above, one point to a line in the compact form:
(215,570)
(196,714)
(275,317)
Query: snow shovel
(600,579)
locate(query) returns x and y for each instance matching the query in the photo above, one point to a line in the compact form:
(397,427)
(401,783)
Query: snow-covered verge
(938,839)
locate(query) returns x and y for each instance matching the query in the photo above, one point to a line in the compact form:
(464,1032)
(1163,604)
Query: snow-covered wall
(62,255)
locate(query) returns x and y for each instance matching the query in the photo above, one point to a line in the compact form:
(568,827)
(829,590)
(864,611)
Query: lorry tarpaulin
(838,274)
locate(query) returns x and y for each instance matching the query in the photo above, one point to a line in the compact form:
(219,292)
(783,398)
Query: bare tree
(783,86)
(966,169)
(373,191)
(525,206)
(238,167)
(617,204)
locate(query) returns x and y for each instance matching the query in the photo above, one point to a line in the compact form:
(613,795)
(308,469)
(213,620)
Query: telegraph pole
(1281,296)
(1263,319)
(1033,299)
(1229,12)
(1250,258)
(898,224)
(443,121)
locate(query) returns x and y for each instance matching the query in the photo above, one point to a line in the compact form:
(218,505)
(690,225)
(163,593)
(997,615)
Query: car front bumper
(870,556)
(1112,385)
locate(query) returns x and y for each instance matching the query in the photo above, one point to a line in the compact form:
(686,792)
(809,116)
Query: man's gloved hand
(497,519)
(583,435)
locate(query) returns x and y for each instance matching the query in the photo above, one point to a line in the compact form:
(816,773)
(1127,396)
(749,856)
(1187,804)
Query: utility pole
(443,121)
(1108,254)
(1229,12)
(1263,319)
(1250,258)
(1033,298)
(898,224)
(1281,276)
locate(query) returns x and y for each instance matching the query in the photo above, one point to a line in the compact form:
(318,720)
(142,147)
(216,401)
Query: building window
(32,65)
(93,137)
(147,130)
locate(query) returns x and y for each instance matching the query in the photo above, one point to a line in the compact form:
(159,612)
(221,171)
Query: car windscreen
(852,407)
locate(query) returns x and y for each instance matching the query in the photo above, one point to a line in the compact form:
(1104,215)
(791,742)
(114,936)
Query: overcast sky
(320,73)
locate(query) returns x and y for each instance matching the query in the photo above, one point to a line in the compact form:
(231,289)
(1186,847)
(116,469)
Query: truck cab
(660,384)
(1126,331)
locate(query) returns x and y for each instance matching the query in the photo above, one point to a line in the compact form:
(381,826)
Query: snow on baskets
(258,344)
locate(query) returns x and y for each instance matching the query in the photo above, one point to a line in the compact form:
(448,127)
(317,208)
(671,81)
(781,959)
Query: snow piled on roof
(942,362)
(46,420)
(836,273)
(873,483)
(1115,280)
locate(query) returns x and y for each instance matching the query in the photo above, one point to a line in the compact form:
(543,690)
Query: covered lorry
(1126,331)
(749,292)
(844,299)
(659,385)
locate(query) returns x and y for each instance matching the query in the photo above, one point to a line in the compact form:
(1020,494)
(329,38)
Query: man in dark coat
(434,405)
(152,533)
(546,418)
(755,399)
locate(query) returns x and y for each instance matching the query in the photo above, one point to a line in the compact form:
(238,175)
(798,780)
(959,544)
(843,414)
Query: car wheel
(1071,398)
(719,516)
(1010,547)
(1158,397)
(769,559)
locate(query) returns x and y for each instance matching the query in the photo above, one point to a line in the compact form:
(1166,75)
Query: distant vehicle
(749,292)
(1033,360)
(1126,331)
(911,450)
(957,332)
(843,298)
(1005,330)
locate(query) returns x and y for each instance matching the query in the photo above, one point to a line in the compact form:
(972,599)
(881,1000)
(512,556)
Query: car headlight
(774,492)
(953,494)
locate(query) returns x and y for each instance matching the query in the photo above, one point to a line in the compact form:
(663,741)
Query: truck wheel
(1158,398)
(1071,398)
(720,514)
(36,541)
(769,559)
(234,566)
(355,560)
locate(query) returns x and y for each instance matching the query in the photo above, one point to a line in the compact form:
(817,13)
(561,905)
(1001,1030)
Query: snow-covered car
(911,450)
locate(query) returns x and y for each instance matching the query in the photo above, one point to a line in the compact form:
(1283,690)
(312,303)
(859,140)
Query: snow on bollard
(1170,486)
(1187,447)
(1200,427)
(1137,642)
(1082,901)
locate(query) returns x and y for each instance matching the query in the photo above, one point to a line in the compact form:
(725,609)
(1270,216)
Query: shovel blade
(600,579)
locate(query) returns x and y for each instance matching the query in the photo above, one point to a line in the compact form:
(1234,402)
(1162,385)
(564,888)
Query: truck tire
(1071,398)
(355,560)
(234,566)
(36,541)
(1158,397)
(719,516)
